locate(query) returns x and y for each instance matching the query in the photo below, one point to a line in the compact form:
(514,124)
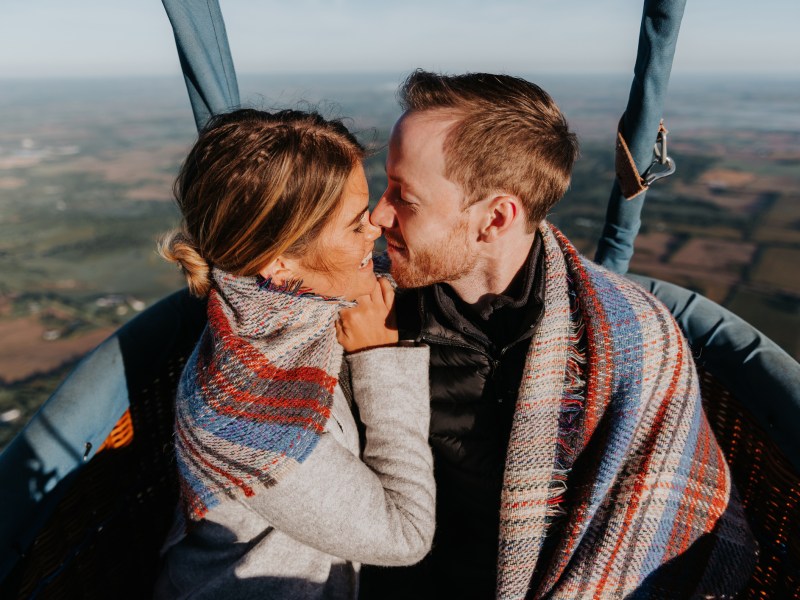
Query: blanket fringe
(572,407)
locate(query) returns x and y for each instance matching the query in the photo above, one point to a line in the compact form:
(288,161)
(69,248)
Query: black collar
(506,319)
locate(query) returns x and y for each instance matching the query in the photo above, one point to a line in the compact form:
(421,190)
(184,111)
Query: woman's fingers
(340,334)
(387,291)
(388,298)
(371,322)
(376,295)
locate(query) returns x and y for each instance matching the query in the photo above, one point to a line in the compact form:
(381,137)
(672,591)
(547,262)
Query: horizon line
(393,72)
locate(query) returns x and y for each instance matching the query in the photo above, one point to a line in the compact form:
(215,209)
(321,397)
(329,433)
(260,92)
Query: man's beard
(443,261)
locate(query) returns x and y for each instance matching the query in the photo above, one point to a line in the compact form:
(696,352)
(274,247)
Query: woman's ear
(280,270)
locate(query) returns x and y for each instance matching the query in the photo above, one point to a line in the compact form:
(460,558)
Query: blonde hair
(257,185)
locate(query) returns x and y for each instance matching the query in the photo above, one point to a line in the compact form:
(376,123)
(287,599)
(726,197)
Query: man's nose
(383,214)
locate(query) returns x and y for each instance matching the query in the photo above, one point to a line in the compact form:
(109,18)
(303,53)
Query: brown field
(779,268)
(18,162)
(126,167)
(714,254)
(716,231)
(64,284)
(153,191)
(736,200)
(11,183)
(780,224)
(726,178)
(714,285)
(6,305)
(653,246)
(777,236)
(25,352)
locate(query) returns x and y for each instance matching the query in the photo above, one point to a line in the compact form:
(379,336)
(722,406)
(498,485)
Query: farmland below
(86,169)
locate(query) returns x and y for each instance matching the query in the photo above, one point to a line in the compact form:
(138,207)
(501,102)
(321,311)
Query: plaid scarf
(257,391)
(624,476)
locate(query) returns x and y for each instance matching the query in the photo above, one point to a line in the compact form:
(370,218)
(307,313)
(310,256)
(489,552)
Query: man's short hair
(509,136)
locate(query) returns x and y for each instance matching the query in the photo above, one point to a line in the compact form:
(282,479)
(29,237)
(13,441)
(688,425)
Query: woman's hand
(370,324)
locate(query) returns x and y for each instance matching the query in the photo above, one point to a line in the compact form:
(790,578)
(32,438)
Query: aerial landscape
(86,169)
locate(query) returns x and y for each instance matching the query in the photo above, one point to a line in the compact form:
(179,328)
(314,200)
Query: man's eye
(360,228)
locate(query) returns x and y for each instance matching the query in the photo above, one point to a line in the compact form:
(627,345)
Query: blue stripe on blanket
(625,404)
(197,485)
(667,522)
(280,438)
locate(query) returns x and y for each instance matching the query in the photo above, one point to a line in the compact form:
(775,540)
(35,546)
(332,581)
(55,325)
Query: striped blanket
(256,392)
(644,509)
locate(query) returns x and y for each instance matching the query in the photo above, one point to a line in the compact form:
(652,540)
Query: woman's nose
(373,231)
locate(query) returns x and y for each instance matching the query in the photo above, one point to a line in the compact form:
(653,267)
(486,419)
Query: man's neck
(494,272)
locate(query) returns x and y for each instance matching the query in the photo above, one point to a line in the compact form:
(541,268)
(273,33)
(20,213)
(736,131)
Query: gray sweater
(305,536)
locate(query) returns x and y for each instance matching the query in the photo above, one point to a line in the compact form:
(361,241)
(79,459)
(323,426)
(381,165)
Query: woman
(275,500)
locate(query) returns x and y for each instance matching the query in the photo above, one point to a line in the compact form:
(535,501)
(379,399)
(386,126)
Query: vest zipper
(445,342)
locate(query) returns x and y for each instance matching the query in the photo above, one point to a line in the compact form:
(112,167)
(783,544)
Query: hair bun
(177,247)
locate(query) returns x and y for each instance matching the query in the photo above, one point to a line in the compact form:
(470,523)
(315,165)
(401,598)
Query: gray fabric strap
(658,36)
(205,57)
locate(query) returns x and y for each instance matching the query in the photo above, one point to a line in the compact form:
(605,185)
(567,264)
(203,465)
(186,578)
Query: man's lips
(393,244)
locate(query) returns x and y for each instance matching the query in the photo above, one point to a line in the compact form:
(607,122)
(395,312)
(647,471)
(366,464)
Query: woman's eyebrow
(359,216)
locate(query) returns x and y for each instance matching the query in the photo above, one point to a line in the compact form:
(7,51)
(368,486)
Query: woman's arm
(379,510)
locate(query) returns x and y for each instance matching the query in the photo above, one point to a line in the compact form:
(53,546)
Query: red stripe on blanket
(216,379)
(254,360)
(639,486)
(248,491)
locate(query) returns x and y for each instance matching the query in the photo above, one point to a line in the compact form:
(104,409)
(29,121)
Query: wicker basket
(769,488)
(104,538)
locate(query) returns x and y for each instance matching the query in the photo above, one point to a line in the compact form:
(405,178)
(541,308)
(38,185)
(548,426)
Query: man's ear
(501,213)
(279,270)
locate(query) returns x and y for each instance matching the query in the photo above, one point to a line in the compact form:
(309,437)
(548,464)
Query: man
(571,454)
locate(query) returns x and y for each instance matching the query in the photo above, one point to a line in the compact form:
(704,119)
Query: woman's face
(345,247)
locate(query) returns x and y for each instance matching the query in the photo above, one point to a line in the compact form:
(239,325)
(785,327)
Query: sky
(101,38)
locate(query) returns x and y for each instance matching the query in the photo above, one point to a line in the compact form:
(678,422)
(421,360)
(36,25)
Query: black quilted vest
(475,370)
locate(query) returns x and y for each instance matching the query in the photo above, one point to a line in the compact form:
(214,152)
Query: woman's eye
(360,228)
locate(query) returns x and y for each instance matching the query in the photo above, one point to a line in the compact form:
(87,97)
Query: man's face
(428,231)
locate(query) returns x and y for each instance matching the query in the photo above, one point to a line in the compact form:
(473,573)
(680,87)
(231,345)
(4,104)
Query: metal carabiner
(661,159)
(660,149)
(650,176)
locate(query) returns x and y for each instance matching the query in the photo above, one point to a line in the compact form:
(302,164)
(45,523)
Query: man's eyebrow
(359,216)
(394,178)
(386,170)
